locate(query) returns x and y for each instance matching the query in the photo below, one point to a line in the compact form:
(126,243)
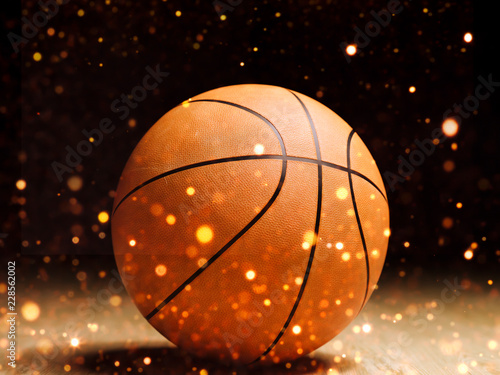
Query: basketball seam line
(240,158)
(245,229)
(315,237)
(349,139)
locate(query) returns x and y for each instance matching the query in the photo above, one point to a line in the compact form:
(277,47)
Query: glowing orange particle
(450,127)
(161,270)
(204,234)
(351,49)
(21,184)
(170,219)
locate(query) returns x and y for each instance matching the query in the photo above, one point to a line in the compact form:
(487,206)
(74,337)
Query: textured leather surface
(226,312)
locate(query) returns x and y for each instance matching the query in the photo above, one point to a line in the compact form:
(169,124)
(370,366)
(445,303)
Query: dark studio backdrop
(65,78)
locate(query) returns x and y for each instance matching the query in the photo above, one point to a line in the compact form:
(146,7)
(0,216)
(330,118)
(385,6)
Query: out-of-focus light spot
(147,361)
(250,275)
(115,300)
(202,262)
(203,372)
(346,256)
(454,146)
(407,244)
(492,344)
(286,287)
(339,245)
(372,197)
(67,368)
(387,232)
(37,56)
(117,363)
(75,240)
(161,270)
(342,193)
(156,209)
(277,15)
(81,13)
(463,368)
(170,219)
(350,212)
(103,217)
(299,280)
(178,13)
(309,238)
(468,254)
(375,253)
(490,282)
(21,184)
(132,243)
(242,63)
(398,316)
(93,327)
(349,312)
(204,234)
(75,183)
(223,17)
(351,49)
(75,342)
(30,311)
(450,127)
(474,245)
(267,302)
(296,329)
(449,165)
(459,205)
(367,328)
(258,149)
(356,329)
(412,89)
(338,302)
(447,223)
(190,191)
(191,251)
(468,37)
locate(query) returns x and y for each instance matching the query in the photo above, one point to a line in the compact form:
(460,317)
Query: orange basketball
(250,223)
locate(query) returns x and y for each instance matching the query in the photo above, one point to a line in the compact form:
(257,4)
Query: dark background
(47,103)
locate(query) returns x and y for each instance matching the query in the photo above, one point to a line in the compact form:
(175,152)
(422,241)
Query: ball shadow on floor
(171,360)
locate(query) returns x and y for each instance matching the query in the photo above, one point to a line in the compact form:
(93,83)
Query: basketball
(250,224)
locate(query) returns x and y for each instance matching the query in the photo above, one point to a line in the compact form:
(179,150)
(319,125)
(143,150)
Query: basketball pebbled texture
(250,224)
